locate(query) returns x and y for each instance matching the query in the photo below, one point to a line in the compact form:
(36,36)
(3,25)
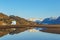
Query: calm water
(26,34)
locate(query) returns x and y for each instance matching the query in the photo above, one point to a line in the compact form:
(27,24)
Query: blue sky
(31,8)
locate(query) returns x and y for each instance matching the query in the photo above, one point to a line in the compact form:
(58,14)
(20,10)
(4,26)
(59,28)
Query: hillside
(4,19)
(7,20)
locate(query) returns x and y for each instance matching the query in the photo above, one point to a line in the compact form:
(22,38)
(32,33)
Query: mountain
(4,19)
(48,21)
(38,21)
(7,20)
(51,21)
(21,21)
(58,20)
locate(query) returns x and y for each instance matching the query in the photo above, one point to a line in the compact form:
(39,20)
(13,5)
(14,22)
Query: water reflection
(13,31)
(47,30)
(52,30)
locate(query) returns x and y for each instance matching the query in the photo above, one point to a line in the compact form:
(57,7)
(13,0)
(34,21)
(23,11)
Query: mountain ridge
(4,19)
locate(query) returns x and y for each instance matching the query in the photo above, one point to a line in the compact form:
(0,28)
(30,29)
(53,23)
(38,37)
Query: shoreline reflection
(13,31)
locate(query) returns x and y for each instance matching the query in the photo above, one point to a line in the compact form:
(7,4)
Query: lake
(29,34)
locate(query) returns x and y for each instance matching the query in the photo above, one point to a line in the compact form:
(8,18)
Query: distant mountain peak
(53,17)
(34,19)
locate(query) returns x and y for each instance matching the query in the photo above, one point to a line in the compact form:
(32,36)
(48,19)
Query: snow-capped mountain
(51,20)
(37,20)
(34,19)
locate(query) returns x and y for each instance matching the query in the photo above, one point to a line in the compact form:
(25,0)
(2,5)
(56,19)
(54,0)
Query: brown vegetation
(4,19)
